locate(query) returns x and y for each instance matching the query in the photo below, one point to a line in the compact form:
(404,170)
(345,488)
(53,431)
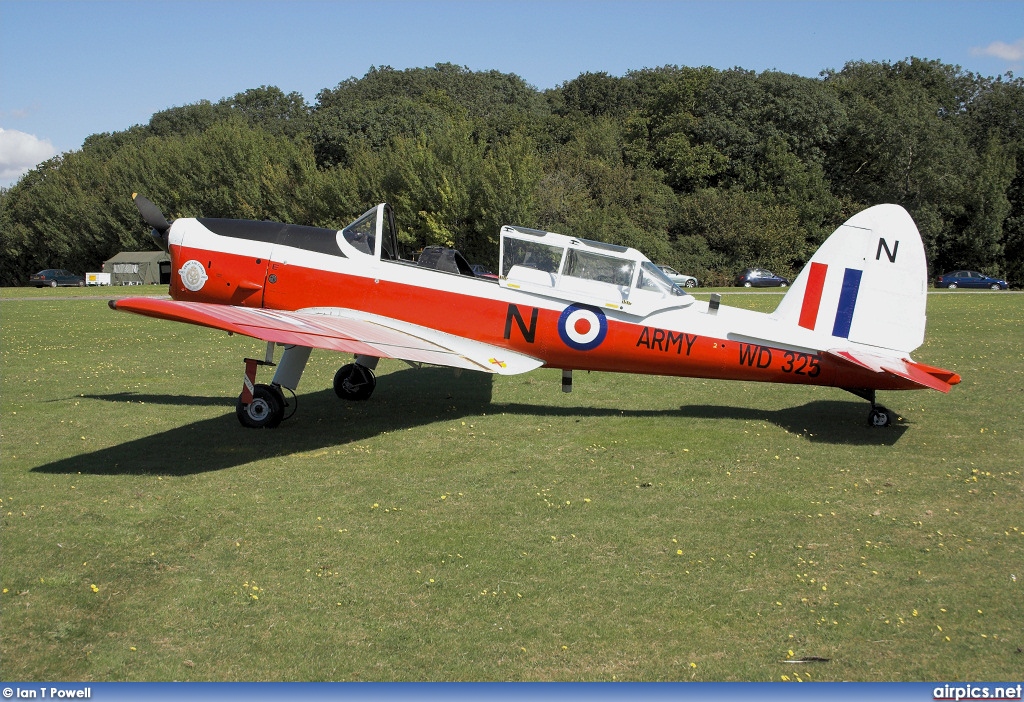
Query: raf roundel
(582,327)
(193,275)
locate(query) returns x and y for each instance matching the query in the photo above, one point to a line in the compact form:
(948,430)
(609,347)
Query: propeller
(154,218)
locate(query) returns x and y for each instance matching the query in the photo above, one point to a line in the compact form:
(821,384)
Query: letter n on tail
(891,255)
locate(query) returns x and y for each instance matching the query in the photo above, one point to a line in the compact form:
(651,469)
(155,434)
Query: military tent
(139,268)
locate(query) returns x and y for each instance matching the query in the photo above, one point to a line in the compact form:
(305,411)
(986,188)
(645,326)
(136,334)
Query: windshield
(361,233)
(654,279)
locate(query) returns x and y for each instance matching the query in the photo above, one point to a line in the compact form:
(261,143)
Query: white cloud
(1008,52)
(19,152)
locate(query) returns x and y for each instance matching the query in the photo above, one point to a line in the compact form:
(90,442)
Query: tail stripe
(812,296)
(847,303)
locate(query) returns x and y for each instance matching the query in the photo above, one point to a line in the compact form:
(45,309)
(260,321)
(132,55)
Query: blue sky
(71,69)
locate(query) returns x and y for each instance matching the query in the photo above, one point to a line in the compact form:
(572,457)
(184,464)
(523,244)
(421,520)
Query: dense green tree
(506,193)
(997,115)
(708,170)
(188,119)
(903,142)
(741,229)
(386,103)
(270,109)
(596,95)
(431,182)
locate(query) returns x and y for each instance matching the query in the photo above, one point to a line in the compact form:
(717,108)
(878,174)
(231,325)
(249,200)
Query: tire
(53,283)
(951,286)
(264,412)
(354,382)
(783,285)
(690,284)
(879,417)
(747,284)
(994,286)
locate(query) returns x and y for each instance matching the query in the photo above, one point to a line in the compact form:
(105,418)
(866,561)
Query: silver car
(683,281)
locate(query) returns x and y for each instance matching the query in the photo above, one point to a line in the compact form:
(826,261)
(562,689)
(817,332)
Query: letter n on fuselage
(528,332)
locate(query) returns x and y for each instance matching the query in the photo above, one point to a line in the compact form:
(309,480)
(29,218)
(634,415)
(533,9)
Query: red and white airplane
(850,320)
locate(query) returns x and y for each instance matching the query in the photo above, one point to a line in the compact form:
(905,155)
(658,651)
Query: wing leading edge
(339,329)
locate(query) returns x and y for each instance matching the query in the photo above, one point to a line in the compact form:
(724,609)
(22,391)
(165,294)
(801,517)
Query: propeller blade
(151,213)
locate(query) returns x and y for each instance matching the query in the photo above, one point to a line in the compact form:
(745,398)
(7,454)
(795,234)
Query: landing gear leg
(264,406)
(878,416)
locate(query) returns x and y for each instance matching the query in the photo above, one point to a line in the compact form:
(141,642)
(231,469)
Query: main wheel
(879,417)
(354,382)
(265,411)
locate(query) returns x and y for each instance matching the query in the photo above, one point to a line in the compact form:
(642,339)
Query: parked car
(481,271)
(54,277)
(969,279)
(761,278)
(683,281)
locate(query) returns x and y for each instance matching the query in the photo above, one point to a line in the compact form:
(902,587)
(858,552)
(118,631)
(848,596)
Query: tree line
(707,170)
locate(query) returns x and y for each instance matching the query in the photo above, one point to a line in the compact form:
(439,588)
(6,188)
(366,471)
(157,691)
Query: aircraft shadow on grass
(410,398)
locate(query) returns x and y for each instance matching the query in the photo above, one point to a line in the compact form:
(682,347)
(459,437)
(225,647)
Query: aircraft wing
(339,329)
(924,375)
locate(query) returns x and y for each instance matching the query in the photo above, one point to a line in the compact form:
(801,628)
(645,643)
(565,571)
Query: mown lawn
(461,527)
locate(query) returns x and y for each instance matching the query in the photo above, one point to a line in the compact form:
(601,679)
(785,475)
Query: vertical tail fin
(867,284)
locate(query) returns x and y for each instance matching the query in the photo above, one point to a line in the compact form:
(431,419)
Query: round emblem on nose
(193,275)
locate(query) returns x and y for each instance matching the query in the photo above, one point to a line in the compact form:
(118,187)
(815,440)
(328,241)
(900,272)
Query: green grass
(90,291)
(475,528)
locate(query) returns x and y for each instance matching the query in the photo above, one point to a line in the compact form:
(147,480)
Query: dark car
(969,279)
(761,278)
(54,277)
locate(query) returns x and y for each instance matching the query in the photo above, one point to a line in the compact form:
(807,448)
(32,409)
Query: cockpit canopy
(565,267)
(362,234)
(545,263)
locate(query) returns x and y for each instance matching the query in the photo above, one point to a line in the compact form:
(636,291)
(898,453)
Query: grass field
(475,528)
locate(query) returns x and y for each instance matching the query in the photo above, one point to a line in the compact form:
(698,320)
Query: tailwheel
(266,409)
(879,417)
(354,382)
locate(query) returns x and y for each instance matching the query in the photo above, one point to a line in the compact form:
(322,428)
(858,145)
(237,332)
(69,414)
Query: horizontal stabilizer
(338,329)
(920,374)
